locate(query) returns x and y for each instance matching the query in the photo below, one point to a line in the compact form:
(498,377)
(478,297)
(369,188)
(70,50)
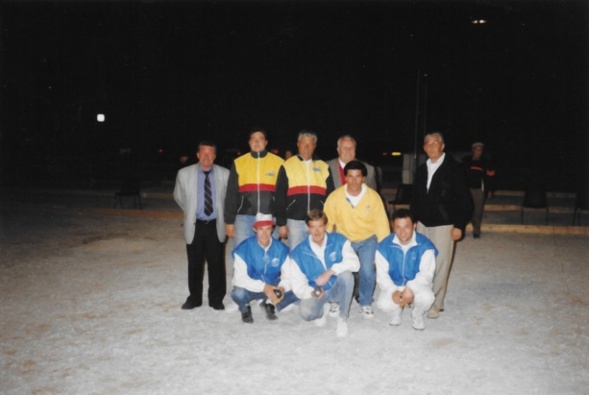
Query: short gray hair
(434,134)
(308,133)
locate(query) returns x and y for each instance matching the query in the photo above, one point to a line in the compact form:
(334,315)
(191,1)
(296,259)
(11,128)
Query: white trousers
(422,301)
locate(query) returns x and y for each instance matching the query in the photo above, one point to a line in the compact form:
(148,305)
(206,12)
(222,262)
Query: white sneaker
(320,322)
(418,321)
(367,312)
(396,318)
(342,328)
(333,310)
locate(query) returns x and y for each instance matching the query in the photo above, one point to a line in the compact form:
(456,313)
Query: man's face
(403,228)
(346,150)
(477,152)
(258,142)
(264,234)
(433,147)
(306,146)
(206,157)
(317,231)
(354,180)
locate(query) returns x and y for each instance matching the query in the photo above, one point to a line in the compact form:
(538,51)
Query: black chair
(535,198)
(403,196)
(378,176)
(581,204)
(131,187)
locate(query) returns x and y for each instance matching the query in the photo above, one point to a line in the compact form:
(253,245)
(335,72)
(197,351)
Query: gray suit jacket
(185,195)
(334,168)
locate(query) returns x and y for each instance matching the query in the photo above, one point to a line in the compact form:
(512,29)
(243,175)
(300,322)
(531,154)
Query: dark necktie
(208,195)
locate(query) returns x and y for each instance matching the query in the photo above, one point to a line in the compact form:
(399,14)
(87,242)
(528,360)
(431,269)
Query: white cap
(263,220)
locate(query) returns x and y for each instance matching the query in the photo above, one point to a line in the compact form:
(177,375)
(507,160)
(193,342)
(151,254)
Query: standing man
(303,185)
(346,150)
(357,212)
(442,206)
(251,187)
(480,178)
(258,264)
(200,192)
(405,265)
(320,271)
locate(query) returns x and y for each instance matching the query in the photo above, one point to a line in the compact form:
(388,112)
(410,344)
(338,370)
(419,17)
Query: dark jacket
(448,201)
(479,172)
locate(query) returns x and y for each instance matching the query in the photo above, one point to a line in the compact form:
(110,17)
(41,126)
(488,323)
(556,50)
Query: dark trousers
(206,247)
(478,198)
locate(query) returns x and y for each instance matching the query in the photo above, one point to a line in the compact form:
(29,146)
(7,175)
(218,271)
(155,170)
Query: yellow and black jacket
(251,185)
(301,188)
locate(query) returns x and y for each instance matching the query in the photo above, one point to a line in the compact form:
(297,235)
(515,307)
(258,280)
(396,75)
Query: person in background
(303,185)
(200,192)
(251,187)
(442,205)
(480,178)
(405,265)
(183,161)
(320,271)
(346,150)
(357,212)
(258,263)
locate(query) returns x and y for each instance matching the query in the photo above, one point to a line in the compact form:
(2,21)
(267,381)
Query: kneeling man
(405,265)
(258,263)
(321,271)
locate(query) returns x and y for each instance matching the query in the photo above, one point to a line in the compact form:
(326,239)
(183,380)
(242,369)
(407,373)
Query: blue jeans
(242,297)
(366,250)
(297,232)
(341,293)
(244,228)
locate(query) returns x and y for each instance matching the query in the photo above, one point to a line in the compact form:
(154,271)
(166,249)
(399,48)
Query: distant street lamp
(100,117)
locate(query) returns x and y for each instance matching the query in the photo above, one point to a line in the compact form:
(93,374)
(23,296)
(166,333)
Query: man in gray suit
(200,192)
(346,150)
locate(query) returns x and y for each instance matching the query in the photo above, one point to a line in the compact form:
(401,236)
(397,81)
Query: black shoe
(476,236)
(247,316)
(270,310)
(190,304)
(218,306)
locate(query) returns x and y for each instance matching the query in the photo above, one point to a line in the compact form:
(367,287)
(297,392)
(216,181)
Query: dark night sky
(168,74)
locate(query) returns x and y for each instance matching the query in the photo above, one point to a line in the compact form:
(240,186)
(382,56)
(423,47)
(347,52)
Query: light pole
(416,120)
(418,95)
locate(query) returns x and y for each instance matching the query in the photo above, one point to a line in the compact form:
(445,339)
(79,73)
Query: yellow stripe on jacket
(257,174)
(303,179)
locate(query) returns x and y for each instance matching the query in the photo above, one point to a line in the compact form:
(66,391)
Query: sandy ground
(91,305)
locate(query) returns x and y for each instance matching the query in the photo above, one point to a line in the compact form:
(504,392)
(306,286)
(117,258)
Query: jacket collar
(257,155)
